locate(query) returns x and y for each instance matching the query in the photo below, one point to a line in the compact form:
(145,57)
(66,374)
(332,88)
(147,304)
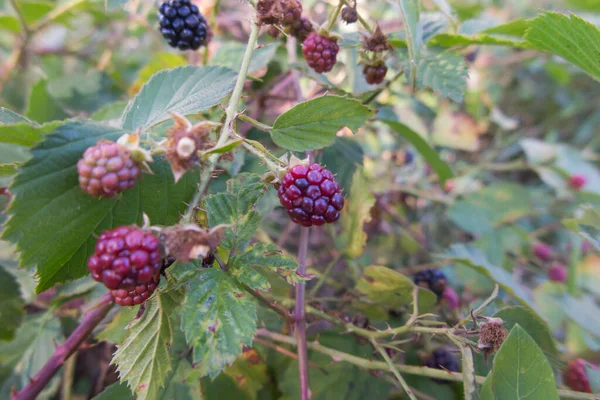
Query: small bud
(557,273)
(577,182)
(349,15)
(542,251)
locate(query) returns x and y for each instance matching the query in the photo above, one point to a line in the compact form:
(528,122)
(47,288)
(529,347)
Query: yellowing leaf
(456,130)
(355,214)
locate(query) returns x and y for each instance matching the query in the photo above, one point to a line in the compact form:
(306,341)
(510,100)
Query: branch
(406,369)
(90,320)
(394,370)
(299,316)
(231,113)
(267,303)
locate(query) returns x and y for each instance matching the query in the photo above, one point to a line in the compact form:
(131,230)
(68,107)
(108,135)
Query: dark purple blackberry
(182,25)
(432,279)
(442,359)
(311,195)
(320,52)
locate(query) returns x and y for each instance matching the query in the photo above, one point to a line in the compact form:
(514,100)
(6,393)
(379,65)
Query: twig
(288,353)
(406,369)
(299,316)
(393,369)
(418,236)
(334,15)
(231,113)
(90,320)
(267,303)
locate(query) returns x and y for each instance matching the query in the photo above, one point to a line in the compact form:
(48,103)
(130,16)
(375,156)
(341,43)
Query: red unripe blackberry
(375,73)
(576,376)
(320,52)
(301,29)
(557,272)
(542,251)
(450,297)
(311,195)
(182,25)
(106,169)
(125,258)
(135,295)
(577,182)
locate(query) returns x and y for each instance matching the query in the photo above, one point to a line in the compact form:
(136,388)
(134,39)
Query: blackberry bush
(448,148)
(182,25)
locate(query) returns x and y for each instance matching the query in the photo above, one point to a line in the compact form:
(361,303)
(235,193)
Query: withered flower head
(492,335)
(184,142)
(190,242)
(270,12)
(377,42)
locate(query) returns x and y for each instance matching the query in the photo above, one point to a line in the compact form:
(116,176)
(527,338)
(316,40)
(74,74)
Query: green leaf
(159,62)
(143,360)
(34,344)
(521,371)
(10,23)
(117,390)
(25,134)
(181,383)
(111,5)
(569,36)
(8,169)
(470,256)
(218,319)
(432,158)
(249,374)
(535,326)
(230,55)
(234,208)
(342,159)
(443,71)
(385,287)
(409,9)
(10,117)
(356,213)
(185,90)
(41,106)
(593,375)
(116,330)
(314,124)
(46,189)
(11,305)
(249,267)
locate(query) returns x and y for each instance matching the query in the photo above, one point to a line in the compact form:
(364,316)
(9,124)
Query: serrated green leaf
(8,169)
(41,107)
(46,189)
(159,62)
(569,36)
(521,371)
(185,90)
(227,147)
(442,169)
(181,384)
(261,256)
(117,390)
(535,326)
(143,360)
(230,55)
(34,344)
(25,134)
(218,319)
(10,117)
(387,288)
(11,305)
(444,72)
(470,256)
(451,40)
(356,212)
(409,10)
(115,331)
(234,208)
(314,124)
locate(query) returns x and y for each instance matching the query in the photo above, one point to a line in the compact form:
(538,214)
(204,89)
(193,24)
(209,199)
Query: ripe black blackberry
(375,73)
(182,25)
(442,359)
(432,279)
(107,169)
(125,258)
(320,52)
(311,195)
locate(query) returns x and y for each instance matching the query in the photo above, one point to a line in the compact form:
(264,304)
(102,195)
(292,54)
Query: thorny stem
(394,370)
(267,303)
(299,316)
(255,123)
(406,369)
(225,130)
(20,16)
(334,16)
(90,320)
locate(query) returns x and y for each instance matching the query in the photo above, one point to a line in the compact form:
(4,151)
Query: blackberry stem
(394,370)
(225,130)
(334,16)
(300,317)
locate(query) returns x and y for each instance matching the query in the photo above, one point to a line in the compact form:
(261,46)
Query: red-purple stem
(90,320)
(299,316)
